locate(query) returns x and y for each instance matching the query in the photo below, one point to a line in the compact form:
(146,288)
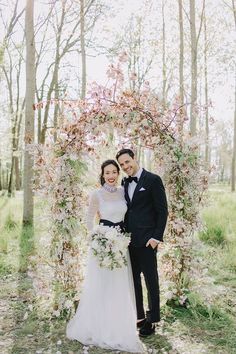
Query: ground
(208,325)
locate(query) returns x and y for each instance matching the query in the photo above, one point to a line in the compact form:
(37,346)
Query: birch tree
(207,155)
(194,67)
(164,75)
(28,203)
(9,28)
(83,49)
(181,63)
(1,185)
(12,70)
(234,125)
(193,119)
(68,22)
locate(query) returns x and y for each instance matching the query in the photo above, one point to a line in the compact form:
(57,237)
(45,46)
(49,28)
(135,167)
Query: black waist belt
(112,224)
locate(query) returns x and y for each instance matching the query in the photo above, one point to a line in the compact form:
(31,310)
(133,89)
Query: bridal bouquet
(110,245)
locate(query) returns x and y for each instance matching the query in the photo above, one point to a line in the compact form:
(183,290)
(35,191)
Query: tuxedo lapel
(126,185)
(139,184)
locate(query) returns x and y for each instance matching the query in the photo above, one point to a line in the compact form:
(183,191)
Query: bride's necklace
(111,189)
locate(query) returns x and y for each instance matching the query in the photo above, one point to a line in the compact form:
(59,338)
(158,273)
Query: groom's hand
(153,243)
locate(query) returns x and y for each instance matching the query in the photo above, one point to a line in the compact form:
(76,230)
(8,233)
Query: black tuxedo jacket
(147,212)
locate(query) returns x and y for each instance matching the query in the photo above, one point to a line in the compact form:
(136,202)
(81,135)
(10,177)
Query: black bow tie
(131,179)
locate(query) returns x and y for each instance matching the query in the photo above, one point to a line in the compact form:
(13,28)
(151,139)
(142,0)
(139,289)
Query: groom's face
(128,164)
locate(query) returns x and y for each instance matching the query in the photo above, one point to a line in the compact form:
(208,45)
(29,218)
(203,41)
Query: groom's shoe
(141,323)
(147,329)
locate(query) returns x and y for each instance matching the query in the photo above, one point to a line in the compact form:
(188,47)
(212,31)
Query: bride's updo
(105,164)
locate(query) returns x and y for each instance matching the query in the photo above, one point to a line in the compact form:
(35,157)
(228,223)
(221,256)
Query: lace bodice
(109,206)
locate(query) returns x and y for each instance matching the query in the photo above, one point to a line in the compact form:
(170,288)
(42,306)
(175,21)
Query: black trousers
(144,260)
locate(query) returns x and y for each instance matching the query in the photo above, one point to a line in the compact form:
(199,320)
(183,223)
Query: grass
(200,325)
(9,231)
(220,225)
(213,235)
(217,322)
(212,324)
(219,218)
(17,243)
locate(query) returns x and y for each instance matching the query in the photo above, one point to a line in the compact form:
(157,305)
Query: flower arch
(133,115)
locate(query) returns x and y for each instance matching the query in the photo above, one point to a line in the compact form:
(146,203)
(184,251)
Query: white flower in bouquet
(110,246)
(106,263)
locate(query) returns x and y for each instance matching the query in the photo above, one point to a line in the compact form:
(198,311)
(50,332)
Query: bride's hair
(103,165)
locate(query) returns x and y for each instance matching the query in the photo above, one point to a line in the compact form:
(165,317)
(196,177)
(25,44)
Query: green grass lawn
(208,325)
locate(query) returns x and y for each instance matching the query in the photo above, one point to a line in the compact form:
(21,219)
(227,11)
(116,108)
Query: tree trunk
(49,96)
(18,165)
(1,182)
(148,159)
(142,157)
(16,110)
(234,138)
(139,152)
(207,158)
(14,148)
(234,142)
(54,80)
(39,114)
(181,66)
(7,178)
(9,30)
(164,78)
(193,118)
(56,108)
(10,184)
(83,51)
(17,174)
(28,203)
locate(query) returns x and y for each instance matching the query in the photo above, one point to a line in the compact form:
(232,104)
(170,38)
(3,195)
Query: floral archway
(60,165)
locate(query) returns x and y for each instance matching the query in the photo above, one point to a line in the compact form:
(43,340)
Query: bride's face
(110,175)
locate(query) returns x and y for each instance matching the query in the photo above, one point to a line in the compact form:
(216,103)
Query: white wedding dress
(106,315)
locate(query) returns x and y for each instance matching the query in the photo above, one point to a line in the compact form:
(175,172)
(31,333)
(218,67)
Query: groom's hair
(125,151)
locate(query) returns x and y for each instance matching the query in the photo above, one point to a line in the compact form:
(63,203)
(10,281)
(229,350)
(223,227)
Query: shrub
(10,223)
(213,235)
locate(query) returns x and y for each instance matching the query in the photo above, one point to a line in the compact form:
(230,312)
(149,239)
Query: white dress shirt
(131,187)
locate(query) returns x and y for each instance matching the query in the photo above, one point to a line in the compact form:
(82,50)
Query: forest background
(185,51)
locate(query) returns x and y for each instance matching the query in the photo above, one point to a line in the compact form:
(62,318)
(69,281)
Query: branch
(186,14)
(234,13)
(202,13)
(14,19)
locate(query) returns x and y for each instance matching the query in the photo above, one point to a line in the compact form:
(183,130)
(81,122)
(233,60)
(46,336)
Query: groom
(146,220)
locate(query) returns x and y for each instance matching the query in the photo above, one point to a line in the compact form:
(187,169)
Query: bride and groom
(111,307)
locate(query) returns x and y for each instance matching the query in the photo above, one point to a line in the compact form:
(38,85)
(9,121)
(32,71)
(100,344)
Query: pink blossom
(133,76)
(123,57)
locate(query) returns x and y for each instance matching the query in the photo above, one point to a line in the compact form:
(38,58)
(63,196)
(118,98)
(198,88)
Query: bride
(106,315)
